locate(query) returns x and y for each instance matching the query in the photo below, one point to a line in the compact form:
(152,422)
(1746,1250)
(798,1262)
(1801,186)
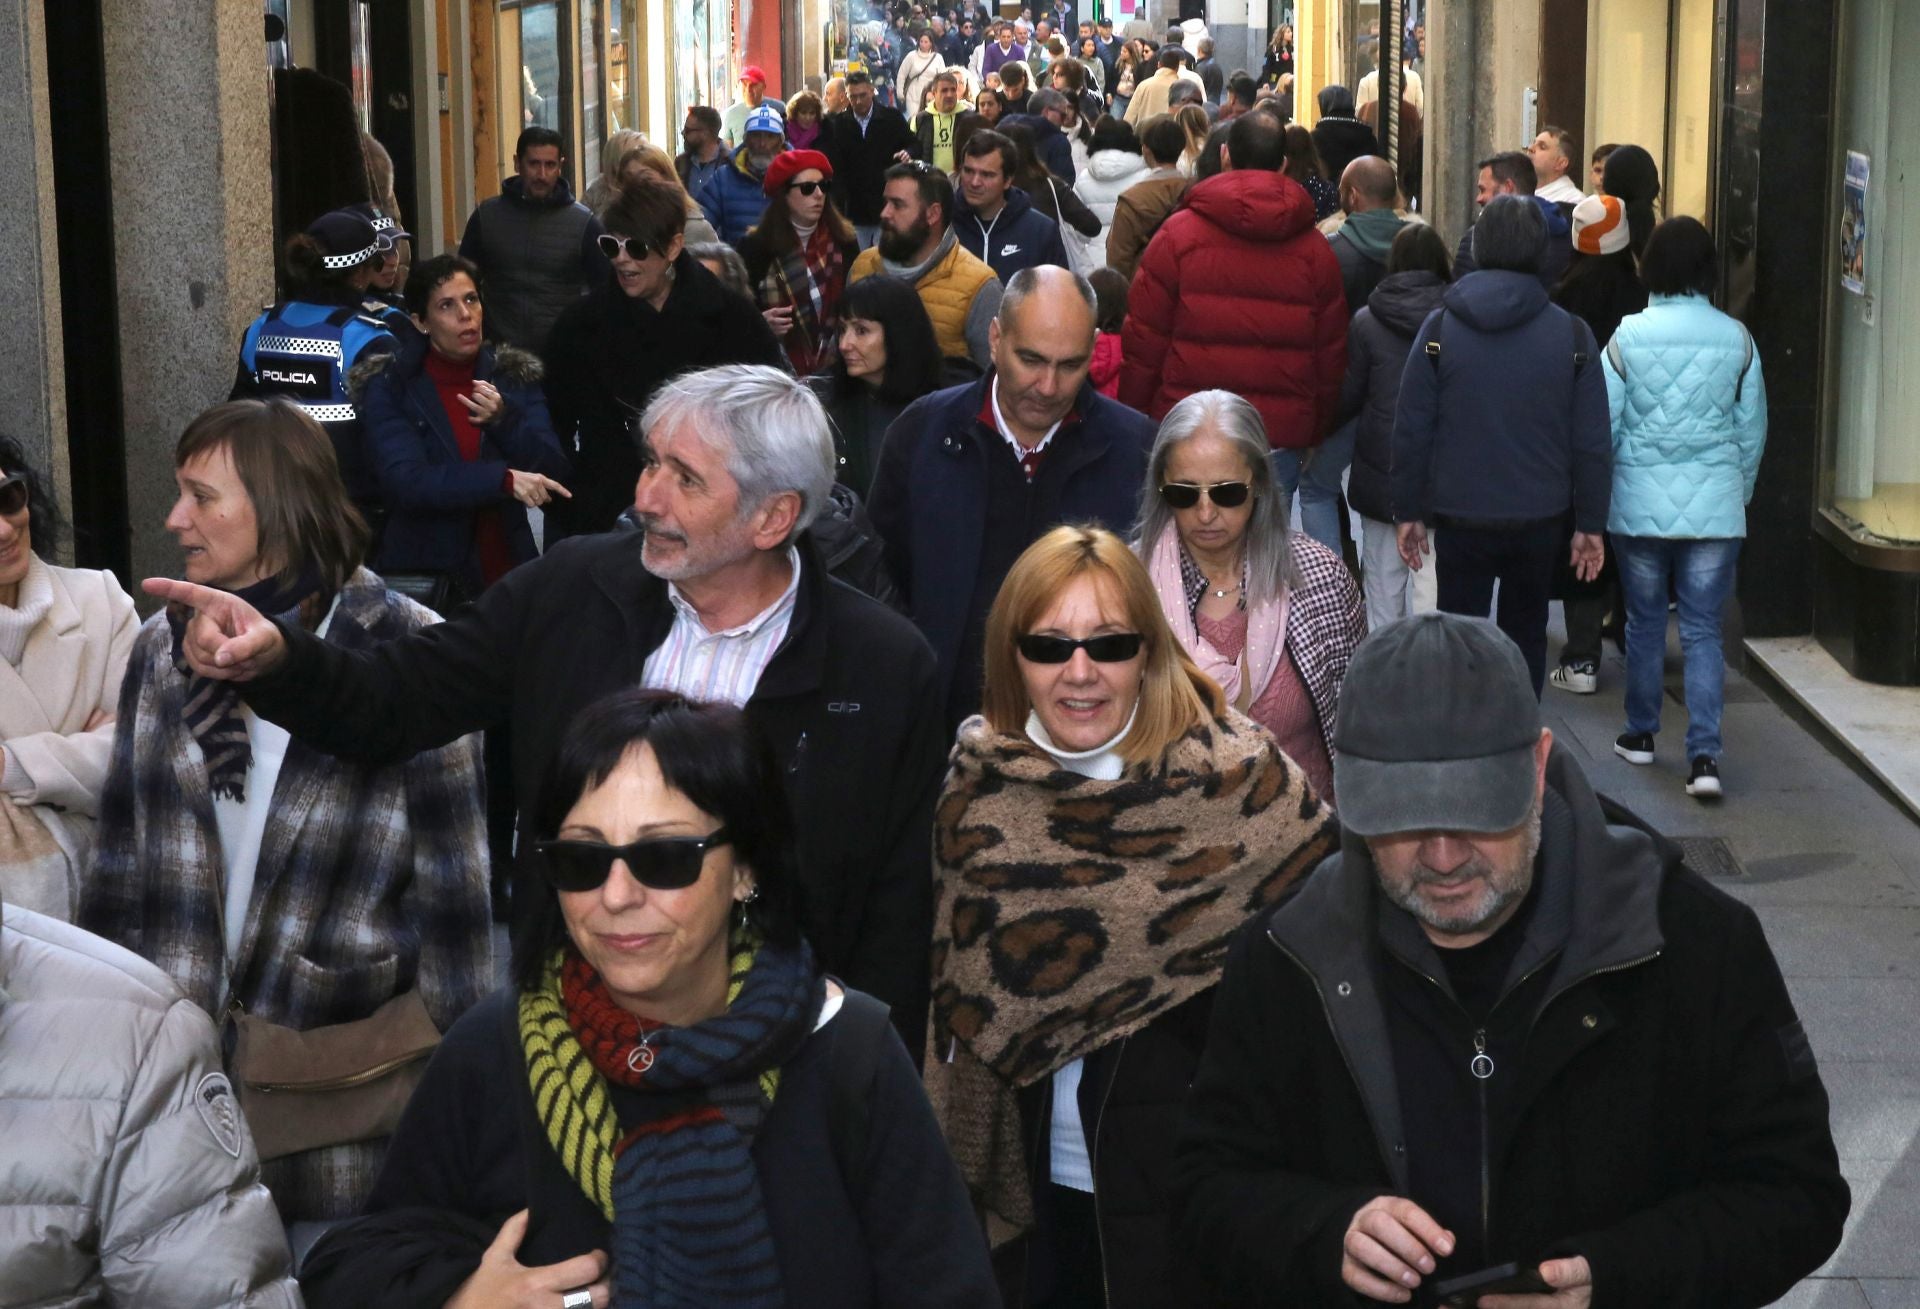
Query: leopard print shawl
(1070,912)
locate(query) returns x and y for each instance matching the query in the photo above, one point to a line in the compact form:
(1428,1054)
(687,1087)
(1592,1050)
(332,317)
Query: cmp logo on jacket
(213,1100)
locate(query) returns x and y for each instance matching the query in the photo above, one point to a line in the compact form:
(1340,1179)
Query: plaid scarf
(811,278)
(212,710)
(680,1187)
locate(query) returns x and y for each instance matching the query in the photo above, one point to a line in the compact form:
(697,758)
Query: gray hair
(733,269)
(771,427)
(1270,567)
(1044,99)
(1510,233)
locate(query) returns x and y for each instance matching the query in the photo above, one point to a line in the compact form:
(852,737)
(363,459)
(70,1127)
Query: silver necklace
(640,1058)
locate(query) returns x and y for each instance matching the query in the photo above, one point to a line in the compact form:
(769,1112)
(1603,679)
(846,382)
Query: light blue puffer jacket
(1689,420)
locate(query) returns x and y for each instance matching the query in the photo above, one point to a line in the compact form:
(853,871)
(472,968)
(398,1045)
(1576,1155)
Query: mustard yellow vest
(947,290)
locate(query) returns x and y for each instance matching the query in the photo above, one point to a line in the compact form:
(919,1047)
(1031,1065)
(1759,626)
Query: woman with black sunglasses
(660,313)
(797,258)
(65,634)
(1271,616)
(1107,825)
(678,1106)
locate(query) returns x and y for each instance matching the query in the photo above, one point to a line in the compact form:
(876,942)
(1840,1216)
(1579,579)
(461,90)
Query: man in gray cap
(1504,1026)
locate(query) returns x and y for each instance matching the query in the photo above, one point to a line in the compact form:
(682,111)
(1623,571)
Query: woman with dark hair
(989,105)
(658,314)
(682,1109)
(1339,136)
(305,345)
(1419,270)
(66,633)
(1213,155)
(1051,195)
(1126,72)
(333,916)
(1088,54)
(1631,176)
(1305,167)
(887,359)
(1113,165)
(1689,424)
(797,258)
(459,434)
(1074,968)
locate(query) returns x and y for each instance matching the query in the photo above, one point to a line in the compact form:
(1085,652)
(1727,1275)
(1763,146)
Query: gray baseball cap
(1437,728)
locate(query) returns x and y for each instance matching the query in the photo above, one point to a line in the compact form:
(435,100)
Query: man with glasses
(538,246)
(706,154)
(723,596)
(972,475)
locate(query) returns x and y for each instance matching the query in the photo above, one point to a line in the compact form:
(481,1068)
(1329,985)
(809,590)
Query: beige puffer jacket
(127,1177)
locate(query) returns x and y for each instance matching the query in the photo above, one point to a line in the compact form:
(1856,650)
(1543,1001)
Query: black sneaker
(1703,783)
(1635,747)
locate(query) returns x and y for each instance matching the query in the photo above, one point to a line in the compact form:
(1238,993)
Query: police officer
(303,347)
(384,300)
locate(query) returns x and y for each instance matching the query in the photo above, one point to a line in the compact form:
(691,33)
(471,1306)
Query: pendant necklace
(640,1058)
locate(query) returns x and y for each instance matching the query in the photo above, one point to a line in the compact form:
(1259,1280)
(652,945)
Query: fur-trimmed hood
(497,362)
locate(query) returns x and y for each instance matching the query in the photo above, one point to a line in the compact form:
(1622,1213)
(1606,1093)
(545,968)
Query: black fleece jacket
(848,704)
(1658,1111)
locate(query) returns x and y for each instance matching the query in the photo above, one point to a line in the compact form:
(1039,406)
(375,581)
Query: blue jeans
(1702,573)
(1320,486)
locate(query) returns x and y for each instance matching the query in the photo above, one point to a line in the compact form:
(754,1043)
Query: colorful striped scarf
(678,1184)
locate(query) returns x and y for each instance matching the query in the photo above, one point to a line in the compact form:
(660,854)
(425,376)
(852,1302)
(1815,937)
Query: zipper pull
(1481,1065)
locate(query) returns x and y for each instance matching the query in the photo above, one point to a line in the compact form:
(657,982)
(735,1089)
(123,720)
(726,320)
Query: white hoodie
(1107,174)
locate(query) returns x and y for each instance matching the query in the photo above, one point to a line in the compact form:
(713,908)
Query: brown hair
(776,225)
(804,102)
(1303,159)
(1175,696)
(652,158)
(287,464)
(648,207)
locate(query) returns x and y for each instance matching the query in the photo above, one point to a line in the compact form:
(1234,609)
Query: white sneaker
(1580,678)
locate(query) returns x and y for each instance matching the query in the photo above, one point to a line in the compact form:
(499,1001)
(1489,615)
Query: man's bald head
(1368,183)
(1055,294)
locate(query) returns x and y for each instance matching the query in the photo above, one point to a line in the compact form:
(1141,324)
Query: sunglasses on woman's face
(13,494)
(805,188)
(1115,648)
(659,863)
(611,246)
(1185,495)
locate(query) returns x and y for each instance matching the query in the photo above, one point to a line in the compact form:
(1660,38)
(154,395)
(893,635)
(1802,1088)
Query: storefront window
(623,89)
(532,66)
(1870,476)
(703,45)
(593,127)
(1650,82)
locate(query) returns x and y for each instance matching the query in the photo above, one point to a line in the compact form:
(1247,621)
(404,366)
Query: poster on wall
(1853,224)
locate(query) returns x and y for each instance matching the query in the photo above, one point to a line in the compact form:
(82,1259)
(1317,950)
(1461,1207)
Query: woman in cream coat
(65,634)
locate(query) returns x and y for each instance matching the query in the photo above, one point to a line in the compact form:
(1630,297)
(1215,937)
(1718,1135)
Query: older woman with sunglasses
(1107,826)
(659,314)
(680,1109)
(1270,616)
(65,634)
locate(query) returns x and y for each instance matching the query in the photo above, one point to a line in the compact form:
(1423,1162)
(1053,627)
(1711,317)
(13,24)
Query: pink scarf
(1266,629)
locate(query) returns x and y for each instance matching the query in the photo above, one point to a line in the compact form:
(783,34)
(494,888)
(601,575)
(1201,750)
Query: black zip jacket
(848,704)
(1654,1105)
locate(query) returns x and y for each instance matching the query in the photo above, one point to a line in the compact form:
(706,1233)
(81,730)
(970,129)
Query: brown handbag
(331,1085)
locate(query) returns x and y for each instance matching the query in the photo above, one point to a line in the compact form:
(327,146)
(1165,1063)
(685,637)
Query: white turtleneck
(1068,1160)
(804,233)
(29,608)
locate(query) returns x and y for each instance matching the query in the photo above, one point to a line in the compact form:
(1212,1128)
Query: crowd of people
(834,596)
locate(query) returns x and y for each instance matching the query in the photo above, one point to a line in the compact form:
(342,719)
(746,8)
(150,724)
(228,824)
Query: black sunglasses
(1185,495)
(1116,648)
(14,492)
(659,863)
(611,246)
(805,188)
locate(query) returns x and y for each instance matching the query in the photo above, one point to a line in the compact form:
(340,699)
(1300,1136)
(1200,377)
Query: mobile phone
(1501,1279)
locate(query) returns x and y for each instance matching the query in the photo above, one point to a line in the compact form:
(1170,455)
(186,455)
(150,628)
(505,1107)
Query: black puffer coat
(1378,340)
(606,357)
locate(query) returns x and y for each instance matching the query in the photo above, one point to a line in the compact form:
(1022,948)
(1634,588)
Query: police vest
(302,351)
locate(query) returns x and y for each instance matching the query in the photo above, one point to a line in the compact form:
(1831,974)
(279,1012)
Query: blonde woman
(601,191)
(1107,826)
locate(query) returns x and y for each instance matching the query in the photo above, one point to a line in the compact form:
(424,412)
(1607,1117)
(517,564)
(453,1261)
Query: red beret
(790,162)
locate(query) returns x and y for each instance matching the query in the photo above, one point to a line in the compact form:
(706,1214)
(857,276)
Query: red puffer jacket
(1238,291)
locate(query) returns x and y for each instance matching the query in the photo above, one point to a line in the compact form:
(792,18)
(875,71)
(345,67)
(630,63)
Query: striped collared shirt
(724,666)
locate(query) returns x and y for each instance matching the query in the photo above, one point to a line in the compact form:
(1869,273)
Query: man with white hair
(721,597)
